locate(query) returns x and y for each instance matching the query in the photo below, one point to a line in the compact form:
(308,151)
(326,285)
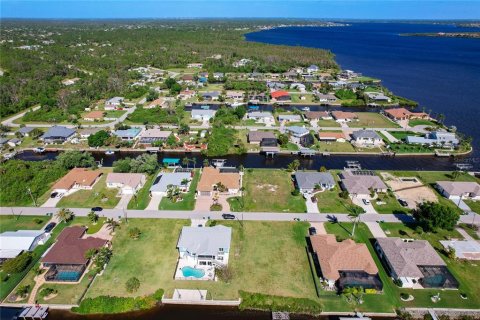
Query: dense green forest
(38,55)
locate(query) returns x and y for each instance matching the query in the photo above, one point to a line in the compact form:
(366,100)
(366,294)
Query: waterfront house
(66,260)
(337,136)
(114,103)
(14,142)
(127,183)
(366,138)
(280,96)
(234,94)
(317,115)
(414,263)
(150,136)
(218,180)
(342,116)
(360,183)
(167,180)
(345,264)
(211,96)
(128,134)
(87,132)
(459,189)
(300,135)
(258,97)
(399,114)
(330,98)
(77,179)
(13,243)
(378,97)
(463,249)
(256,137)
(202,114)
(25,131)
(58,134)
(435,138)
(313,68)
(261,117)
(284,118)
(93,116)
(308,181)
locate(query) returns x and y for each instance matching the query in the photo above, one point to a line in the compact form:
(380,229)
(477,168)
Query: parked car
(366,202)
(53,195)
(50,227)
(296,219)
(403,203)
(97,209)
(314,199)
(312,231)
(228,216)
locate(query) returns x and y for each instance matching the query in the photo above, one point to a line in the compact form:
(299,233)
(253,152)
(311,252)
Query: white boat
(305,109)
(109,152)
(11,155)
(236,104)
(39,150)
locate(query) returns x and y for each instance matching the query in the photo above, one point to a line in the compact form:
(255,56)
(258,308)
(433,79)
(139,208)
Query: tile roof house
(341,116)
(58,134)
(66,258)
(338,136)
(345,264)
(93,116)
(186,94)
(464,249)
(366,138)
(307,181)
(77,178)
(256,137)
(164,180)
(235,94)
(399,114)
(149,136)
(280,95)
(211,177)
(12,243)
(359,183)
(459,189)
(128,183)
(317,115)
(414,262)
(205,246)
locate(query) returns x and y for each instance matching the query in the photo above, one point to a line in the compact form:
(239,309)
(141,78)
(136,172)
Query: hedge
(278,303)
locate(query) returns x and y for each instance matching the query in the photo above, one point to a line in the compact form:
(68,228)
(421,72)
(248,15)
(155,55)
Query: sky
(326,9)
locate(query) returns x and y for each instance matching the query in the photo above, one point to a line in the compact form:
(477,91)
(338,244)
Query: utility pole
(31,195)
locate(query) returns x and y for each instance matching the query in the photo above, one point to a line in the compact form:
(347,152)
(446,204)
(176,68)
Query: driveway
(51,202)
(154,202)
(319,226)
(123,203)
(203,203)
(311,206)
(367,207)
(461,204)
(375,229)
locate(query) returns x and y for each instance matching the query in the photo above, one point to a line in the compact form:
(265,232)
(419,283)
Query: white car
(366,202)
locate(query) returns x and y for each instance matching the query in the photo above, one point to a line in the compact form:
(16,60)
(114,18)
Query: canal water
(255,160)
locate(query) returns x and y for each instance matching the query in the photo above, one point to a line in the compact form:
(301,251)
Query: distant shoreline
(469,35)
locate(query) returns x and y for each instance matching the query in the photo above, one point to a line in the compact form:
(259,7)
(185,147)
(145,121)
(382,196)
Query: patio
(206,273)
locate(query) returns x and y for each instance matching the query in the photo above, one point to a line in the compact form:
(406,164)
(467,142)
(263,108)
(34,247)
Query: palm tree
(93,217)
(185,161)
(205,163)
(354,213)
(194,161)
(64,215)
(456,174)
(112,224)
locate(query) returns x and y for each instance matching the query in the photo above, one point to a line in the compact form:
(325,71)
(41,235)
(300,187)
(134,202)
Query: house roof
(206,240)
(94,115)
(308,180)
(460,188)
(343,115)
(115,100)
(360,184)
(365,134)
(210,94)
(298,131)
(202,112)
(289,117)
(464,249)
(331,135)
(132,180)
(279,93)
(157,102)
(12,243)
(165,179)
(25,129)
(155,133)
(404,256)
(260,135)
(336,256)
(260,114)
(127,133)
(80,176)
(316,114)
(58,131)
(398,113)
(70,248)
(211,176)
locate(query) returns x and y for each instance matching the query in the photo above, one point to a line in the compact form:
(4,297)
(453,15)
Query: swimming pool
(192,272)
(68,275)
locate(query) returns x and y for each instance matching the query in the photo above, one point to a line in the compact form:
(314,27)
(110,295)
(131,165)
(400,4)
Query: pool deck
(209,271)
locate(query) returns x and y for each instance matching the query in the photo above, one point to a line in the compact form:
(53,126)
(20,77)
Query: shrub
(132,284)
(224,273)
(295,192)
(38,221)
(404,295)
(216,207)
(22,291)
(370,291)
(432,216)
(46,292)
(344,194)
(5,276)
(134,233)
(278,303)
(18,264)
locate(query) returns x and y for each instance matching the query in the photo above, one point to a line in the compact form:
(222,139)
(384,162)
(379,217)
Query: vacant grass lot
(19,222)
(372,120)
(466,273)
(327,123)
(391,204)
(100,195)
(334,147)
(188,202)
(268,191)
(278,267)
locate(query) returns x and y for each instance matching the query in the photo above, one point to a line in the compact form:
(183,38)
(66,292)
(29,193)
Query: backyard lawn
(268,191)
(290,146)
(282,253)
(100,195)
(188,202)
(19,222)
(422,122)
(334,147)
(372,120)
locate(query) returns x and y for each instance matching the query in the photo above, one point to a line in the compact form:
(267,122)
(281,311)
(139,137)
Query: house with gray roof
(366,138)
(415,263)
(149,136)
(113,103)
(261,117)
(256,137)
(378,97)
(209,96)
(300,135)
(25,131)
(12,243)
(313,68)
(166,180)
(204,246)
(307,182)
(289,118)
(58,134)
(358,183)
(203,114)
(435,138)
(459,189)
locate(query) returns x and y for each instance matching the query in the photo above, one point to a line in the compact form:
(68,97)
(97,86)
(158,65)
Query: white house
(459,189)
(312,69)
(367,138)
(12,243)
(128,183)
(203,115)
(166,180)
(113,103)
(261,117)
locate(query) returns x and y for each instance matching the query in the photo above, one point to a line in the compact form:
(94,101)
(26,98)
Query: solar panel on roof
(363,173)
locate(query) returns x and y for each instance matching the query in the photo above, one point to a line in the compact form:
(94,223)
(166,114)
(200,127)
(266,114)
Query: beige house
(127,183)
(212,178)
(77,178)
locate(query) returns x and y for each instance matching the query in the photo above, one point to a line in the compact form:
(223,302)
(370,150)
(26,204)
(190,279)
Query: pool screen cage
(68,273)
(437,277)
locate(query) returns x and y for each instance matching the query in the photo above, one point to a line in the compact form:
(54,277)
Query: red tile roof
(279,93)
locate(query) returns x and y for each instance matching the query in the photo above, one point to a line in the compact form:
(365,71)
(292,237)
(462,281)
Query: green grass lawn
(334,147)
(92,198)
(372,120)
(391,204)
(472,231)
(68,293)
(290,147)
(422,122)
(114,113)
(20,222)
(410,148)
(466,273)
(142,198)
(402,135)
(327,123)
(329,201)
(268,191)
(474,205)
(278,267)
(188,202)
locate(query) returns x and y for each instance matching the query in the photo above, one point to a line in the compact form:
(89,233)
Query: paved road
(9,122)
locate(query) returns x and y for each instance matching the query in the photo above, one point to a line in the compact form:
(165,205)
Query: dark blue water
(442,74)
